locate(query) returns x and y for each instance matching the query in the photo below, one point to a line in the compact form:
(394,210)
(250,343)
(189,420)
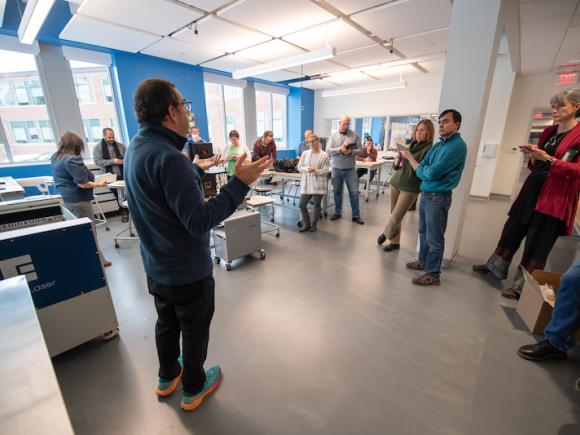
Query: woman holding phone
(73,180)
(404,185)
(546,205)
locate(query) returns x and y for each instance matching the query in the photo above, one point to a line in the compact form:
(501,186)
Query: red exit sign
(566,79)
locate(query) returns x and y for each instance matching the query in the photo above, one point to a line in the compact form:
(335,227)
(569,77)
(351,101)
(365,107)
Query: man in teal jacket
(440,172)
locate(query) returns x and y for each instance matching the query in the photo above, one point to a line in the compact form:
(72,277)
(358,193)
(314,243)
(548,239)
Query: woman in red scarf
(546,206)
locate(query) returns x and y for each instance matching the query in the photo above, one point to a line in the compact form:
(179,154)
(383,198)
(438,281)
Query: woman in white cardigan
(314,165)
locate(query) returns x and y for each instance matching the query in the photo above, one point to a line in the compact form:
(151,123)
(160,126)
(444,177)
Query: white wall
(420,96)
(493,127)
(530,92)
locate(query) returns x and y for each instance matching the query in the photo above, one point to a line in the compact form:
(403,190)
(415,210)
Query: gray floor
(328,336)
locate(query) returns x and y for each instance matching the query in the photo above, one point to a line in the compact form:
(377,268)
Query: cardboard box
(533,309)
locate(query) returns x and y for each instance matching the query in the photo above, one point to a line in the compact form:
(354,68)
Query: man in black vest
(108,155)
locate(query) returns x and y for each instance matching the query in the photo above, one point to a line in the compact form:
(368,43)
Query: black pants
(541,232)
(184,310)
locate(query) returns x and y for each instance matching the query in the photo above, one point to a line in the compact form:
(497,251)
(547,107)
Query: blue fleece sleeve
(183,191)
(436,167)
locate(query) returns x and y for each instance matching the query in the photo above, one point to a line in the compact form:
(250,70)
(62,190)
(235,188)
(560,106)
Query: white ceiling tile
(337,33)
(575,22)
(223,36)
(539,9)
(179,51)
(347,7)
(278,17)
(101,33)
(278,76)
(269,51)
(230,63)
(406,18)
(570,49)
(356,77)
(433,66)
(432,42)
(206,5)
(315,68)
(393,73)
(366,56)
(538,47)
(157,16)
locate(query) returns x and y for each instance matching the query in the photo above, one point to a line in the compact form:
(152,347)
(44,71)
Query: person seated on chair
(190,150)
(369,154)
(108,155)
(74,181)
(265,146)
(314,165)
(233,151)
(303,146)
(564,323)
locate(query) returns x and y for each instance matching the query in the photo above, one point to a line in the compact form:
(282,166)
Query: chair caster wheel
(299,224)
(217,260)
(228,267)
(107,229)
(278,235)
(262,255)
(110,334)
(117,245)
(132,234)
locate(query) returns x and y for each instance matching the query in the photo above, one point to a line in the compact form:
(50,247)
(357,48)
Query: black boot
(305,223)
(382,239)
(541,351)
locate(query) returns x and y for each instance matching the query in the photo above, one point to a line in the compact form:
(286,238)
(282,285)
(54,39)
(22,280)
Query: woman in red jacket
(546,206)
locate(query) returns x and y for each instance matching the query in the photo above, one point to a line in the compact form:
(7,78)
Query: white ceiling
(256,31)
(550,34)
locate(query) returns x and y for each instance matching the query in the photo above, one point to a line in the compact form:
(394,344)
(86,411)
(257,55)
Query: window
(107,89)
(19,131)
(83,90)
(225,112)
(21,93)
(36,92)
(271,115)
(46,130)
(93,131)
(6,98)
(93,85)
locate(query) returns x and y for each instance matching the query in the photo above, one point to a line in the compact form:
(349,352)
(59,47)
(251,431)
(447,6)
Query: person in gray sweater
(343,147)
(108,154)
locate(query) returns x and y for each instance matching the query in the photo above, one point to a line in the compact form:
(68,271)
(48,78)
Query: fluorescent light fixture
(289,62)
(365,89)
(33,18)
(230,6)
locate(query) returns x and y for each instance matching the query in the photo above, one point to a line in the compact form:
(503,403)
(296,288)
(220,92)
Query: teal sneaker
(213,378)
(168,386)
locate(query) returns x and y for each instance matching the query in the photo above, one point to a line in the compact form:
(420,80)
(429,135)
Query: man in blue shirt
(440,172)
(166,199)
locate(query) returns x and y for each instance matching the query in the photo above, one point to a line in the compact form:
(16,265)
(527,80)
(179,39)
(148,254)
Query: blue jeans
(348,176)
(566,315)
(433,210)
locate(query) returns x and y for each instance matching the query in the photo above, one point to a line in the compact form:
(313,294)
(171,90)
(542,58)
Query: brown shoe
(426,280)
(510,293)
(415,265)
(107,263)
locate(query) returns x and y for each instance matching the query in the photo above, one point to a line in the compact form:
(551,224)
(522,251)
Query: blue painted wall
(130,69)
(300,115)
(378,129)
(25,171)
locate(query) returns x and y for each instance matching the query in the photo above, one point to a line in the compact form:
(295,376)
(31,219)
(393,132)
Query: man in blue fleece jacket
(166,201)
(440,172)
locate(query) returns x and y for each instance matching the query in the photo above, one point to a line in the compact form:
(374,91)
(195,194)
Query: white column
(59,91)
(250,113)
(471,55)
(493,127)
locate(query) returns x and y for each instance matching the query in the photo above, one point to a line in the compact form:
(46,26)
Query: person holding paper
(558,335)
(404,186)
(343,148)
(546,206)
(74,181)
